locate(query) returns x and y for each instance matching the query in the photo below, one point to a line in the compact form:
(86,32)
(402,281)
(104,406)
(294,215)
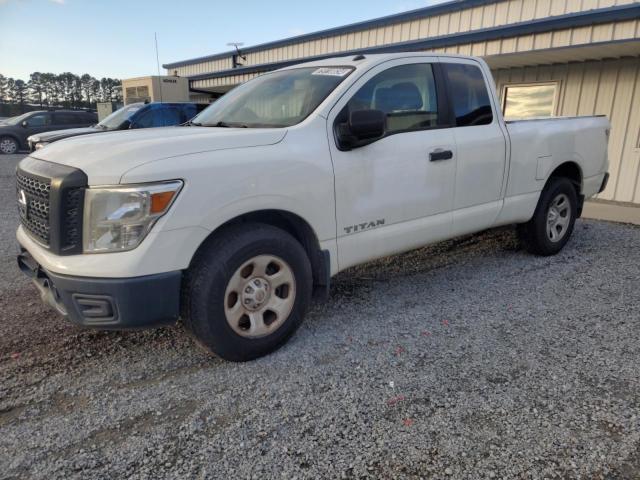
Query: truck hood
(106,157)
(60,134)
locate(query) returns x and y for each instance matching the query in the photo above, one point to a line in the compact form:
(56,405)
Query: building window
(529,100)
(137,94)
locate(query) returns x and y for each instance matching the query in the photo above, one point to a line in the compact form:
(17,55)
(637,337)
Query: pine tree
(36,88)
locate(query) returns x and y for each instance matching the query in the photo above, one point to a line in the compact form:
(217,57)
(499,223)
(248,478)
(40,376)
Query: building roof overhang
(573,20)
(415,14)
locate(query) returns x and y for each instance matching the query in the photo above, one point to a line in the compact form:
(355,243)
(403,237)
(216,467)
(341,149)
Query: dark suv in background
(135,115)
(15,131)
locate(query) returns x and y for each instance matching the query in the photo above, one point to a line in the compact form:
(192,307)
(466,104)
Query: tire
(553,220)
(8,145)
(247,291)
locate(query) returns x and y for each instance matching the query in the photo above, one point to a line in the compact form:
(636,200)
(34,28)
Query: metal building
(549,57)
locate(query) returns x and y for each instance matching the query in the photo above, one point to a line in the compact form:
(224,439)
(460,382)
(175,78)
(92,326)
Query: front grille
(33,205)
(51,202)
(72,218)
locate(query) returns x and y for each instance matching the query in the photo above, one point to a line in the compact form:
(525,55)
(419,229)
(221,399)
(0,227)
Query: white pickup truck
(233,221)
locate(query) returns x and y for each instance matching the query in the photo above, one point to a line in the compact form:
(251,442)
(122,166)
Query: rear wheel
(8,145)
(553,220)
(247,291)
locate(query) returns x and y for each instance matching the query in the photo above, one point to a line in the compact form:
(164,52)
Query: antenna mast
(155,35)
(238,55)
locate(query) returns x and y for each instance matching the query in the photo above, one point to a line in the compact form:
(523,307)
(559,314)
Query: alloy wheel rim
(260,296)
(558,218)
(7,146)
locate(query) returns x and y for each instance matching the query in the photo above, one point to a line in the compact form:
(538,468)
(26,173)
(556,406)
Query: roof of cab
(368,60)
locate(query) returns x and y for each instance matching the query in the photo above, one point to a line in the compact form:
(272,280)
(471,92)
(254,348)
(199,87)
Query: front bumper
(108,303)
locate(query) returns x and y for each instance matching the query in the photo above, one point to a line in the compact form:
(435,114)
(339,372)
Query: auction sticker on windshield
(334,72)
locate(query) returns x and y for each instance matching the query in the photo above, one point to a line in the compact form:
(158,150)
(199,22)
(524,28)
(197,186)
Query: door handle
(440,154)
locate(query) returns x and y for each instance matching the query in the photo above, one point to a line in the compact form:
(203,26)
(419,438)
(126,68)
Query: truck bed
(539,145)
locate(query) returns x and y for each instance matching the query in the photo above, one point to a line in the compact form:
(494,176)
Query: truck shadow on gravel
(43,341)
(425,259)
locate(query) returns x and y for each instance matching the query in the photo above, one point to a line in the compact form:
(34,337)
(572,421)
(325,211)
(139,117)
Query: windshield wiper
(228,125)
(190,123)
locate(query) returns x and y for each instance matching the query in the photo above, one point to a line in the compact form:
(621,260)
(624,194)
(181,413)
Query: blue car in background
(134,115)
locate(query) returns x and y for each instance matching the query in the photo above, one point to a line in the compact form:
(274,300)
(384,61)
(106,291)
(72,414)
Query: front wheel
(247,291)
(553,220)
(8,145)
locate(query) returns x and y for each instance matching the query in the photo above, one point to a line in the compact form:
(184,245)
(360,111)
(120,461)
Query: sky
(115,38)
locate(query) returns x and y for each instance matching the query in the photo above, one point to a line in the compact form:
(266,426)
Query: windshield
(114,120)
(278,99)
(17,120)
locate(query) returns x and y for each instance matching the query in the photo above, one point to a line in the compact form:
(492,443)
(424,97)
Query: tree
(3,88)
(111,89)
(48,87)
(95,89)
(10,83)
(66,84)
(66,89)
(19,92)
(106,85)
(87,82)
(117,90)
(36,88)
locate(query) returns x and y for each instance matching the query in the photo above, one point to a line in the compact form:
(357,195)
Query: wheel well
(297,227)
(571,171)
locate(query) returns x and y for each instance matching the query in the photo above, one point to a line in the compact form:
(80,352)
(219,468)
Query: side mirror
(24,124)
(367,124)
(125,125)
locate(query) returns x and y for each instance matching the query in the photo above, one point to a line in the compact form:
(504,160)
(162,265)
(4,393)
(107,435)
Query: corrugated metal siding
(558,39)
(205,67)
(608,87)
(223,81)
(486,16)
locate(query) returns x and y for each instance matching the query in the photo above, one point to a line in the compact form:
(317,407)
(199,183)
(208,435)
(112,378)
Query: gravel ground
(468,359)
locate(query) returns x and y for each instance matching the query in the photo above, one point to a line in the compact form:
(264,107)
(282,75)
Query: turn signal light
(160,201)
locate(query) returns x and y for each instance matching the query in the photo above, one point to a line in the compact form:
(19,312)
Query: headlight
(118,218)
(40,145)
